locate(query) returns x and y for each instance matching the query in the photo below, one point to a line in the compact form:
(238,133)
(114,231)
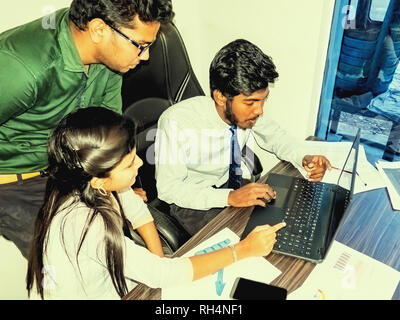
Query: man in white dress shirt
(196,171)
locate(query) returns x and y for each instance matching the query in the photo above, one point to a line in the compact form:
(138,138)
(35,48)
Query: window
(378,9)
(361,86)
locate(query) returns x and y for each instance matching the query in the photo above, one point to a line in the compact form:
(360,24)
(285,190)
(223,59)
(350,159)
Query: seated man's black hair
(241,67)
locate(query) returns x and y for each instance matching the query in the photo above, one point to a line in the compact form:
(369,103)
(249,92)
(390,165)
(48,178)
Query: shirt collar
(72,60)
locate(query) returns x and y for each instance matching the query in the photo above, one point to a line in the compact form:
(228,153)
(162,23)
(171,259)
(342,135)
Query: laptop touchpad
(281,195)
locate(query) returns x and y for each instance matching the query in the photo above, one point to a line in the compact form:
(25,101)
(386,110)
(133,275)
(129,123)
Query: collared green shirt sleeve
(17,92)
(42,79)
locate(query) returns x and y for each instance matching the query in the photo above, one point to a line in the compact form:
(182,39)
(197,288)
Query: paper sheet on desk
(336,152)
(258,269)
(347,274)
(390,173)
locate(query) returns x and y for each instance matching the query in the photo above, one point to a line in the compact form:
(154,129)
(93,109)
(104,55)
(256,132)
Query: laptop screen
(348,173)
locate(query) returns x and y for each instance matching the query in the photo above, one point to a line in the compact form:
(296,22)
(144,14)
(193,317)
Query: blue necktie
(235,173)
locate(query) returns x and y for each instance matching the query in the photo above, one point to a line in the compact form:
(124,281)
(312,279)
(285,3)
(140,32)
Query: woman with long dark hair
(79,250)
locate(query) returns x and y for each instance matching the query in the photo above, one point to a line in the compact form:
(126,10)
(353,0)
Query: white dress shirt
(63,279)
(192,152)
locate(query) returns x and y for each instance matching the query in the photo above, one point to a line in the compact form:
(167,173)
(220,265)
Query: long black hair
(87,143)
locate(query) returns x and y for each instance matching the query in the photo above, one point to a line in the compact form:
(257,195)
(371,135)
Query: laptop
(312,210)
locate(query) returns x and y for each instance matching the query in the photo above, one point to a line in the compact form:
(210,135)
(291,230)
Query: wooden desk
(371,227)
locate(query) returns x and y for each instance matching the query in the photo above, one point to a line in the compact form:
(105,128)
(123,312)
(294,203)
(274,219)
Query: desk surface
(370,226)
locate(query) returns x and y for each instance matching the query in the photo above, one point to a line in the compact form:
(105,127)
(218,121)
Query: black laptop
(312,210)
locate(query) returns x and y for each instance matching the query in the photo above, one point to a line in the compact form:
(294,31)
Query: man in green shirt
(48,72)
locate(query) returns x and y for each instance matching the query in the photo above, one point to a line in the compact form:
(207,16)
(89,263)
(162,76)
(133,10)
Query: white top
(192,152)
(64,280)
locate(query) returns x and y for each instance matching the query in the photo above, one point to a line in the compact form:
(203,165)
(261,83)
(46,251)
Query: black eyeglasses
(137,45)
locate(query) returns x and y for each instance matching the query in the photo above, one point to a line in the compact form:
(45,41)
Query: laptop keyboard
(301,220)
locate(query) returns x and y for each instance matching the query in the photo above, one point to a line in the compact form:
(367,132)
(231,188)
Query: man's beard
(228,112)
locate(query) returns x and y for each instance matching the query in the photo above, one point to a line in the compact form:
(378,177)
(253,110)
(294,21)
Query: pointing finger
(278,226)
(261,228)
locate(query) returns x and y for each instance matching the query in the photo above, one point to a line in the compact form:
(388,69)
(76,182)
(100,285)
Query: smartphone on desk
(245,289)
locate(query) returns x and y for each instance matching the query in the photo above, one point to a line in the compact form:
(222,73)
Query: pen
(350,173)
(343,170)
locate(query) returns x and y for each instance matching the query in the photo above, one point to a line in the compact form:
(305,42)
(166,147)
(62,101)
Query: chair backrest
(144,113)
(168,73)
(152,87)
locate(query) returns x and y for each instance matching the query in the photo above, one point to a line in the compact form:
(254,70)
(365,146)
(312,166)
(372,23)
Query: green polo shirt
(42,79)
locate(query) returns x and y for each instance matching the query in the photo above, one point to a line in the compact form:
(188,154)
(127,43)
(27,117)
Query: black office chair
(147,91)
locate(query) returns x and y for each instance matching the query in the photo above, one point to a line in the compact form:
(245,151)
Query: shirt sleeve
(17,87)
(135,209)
(113,99)
(145,267)
(171,172)
(140,264)
(272,138)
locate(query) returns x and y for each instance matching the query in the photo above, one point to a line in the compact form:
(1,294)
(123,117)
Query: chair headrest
(146,112)
(167,74)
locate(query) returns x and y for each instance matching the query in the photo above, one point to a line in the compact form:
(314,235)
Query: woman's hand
(259,242)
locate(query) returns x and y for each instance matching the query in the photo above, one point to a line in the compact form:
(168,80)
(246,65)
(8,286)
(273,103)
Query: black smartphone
(245,289)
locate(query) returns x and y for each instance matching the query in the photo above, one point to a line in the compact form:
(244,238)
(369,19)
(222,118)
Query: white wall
(17,12)
(13,267)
